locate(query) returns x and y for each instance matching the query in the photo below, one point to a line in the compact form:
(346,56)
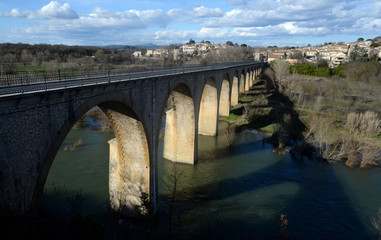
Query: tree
(360,39)
(243,45)
(229,43)
(99,53)
(191,41)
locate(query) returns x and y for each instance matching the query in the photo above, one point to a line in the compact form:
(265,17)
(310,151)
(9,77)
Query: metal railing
(61,79)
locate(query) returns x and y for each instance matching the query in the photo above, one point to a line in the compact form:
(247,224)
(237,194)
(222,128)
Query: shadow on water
(250,205)
(317,208)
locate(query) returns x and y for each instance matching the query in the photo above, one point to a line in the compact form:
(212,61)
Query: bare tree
(230,135)
(171,182)
(377,223)
(281,69)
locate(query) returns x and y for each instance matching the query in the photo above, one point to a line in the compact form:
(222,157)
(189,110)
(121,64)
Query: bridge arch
(234,91)
(224,104)
(207,120)
(128,151)
(179,136)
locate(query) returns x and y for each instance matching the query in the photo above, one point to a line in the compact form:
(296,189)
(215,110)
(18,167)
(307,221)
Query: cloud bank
(245,21)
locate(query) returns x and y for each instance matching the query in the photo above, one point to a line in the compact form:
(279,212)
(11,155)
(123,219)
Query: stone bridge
(35,119)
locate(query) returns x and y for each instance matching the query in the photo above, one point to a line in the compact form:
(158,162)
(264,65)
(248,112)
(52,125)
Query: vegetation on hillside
(45,58)
(342,113)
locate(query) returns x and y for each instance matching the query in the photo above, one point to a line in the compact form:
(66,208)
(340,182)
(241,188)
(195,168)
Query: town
(333,53)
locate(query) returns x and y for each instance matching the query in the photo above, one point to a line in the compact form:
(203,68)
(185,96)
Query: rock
(354,160)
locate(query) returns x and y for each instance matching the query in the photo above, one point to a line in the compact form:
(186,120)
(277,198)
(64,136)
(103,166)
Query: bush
(363,71)
(319,69)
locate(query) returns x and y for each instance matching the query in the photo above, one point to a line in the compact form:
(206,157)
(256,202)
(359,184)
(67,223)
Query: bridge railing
(43,81)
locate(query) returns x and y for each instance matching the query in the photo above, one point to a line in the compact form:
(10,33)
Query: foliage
(191,41)
(229,43)
(360,39)
(363,71)
(338,71)
(311,69)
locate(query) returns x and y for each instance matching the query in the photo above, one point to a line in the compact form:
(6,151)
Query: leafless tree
(171,182)
(377,223)
(230,135)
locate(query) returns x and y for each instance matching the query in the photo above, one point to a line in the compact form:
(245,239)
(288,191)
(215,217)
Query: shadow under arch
(180,125)
(126,185)
(224,103)
(207,120)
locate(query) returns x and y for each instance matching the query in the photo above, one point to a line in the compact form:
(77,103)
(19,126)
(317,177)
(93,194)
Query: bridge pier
(234,92)
(179,138)
(224,105)
(129,165)
(207,120)
(247,81)
(251,78)
(242,83)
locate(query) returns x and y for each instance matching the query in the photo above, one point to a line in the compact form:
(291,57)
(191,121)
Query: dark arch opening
(128,129)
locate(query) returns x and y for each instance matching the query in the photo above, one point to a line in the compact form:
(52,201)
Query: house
(258,56)
(159,52)
(137,54)
(274,57)
(149,52)
(188,49)
(325,55)
(311,53)
(338,58)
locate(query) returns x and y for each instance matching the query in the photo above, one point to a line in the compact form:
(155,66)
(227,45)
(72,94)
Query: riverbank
(272,114)
(342,115)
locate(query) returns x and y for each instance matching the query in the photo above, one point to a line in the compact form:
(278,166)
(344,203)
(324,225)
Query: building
(137,54)
(189,49)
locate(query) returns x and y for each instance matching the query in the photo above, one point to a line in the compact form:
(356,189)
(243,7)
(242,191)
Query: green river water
(236,192)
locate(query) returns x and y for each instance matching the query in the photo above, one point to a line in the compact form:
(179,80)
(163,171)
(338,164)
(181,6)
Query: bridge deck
(19,87)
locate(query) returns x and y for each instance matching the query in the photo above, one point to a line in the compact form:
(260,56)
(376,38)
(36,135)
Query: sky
(163,22)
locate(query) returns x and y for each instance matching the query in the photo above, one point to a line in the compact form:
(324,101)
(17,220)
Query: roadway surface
(19,88)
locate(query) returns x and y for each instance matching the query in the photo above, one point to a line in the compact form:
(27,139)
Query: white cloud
(202,12)
(50,11)
(56,10)
(247,21)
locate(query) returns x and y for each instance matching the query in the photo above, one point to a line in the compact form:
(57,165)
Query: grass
(22,68)
(272,128)
(245,99)
(233,117)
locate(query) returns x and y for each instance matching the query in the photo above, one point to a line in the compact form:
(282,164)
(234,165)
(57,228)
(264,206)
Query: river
(236,192)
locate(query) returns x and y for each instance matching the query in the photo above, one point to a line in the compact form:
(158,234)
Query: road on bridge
(18,87)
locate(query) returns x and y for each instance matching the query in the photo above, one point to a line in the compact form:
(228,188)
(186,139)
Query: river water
(236,192)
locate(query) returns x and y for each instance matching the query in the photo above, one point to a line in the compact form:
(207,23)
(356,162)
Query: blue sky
(256,23)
